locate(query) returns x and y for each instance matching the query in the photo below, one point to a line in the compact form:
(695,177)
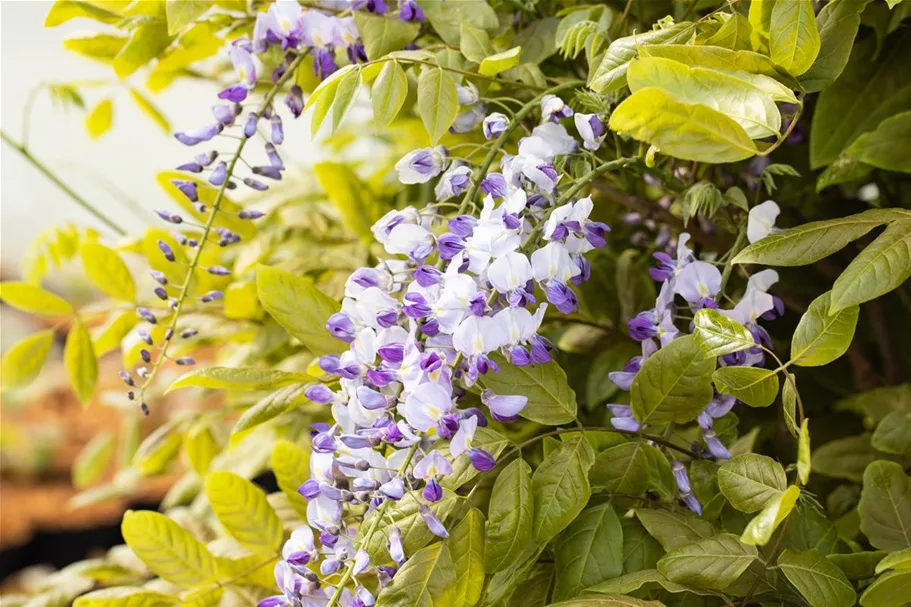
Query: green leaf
(157,451)
(838,23)
(820,582)
(269,407)
(298,306)
(748,105)
(810,242)
(93,460)
(733,33)
(640,549)
(881,267)
(876,404)
(845,169)
(710,563)
(610,75)
(793,37)
(648,579)
(335,94)
(200,446)
(23,361)
(64,10)
(447,17)
(886,147)
(168,549)
(102,47)
(32,299)
(674,529)
(388,94)
(599,389)
(755,386)
(291,464)
(427,579)
(511,516)
(404,514)
(147,41)
(885,506)
(896,560)
(466,546)
(803,453)
(181,13)
(893,434)
(438,101)
(750,481)
(820,337)
(588,552)
(351,196)
(844,457)
(759,530)
(107,271)
(79,361)
(674,384)
(857,565)
(608,601)
(687,131)
(715,57)
(716,334)
(873,86)
(244,511)
(561,489)
(383,34)
(241,378)
(125,596)
(888,590)
(500,62)
(148,108)
(475,43)
(621,469)
(550,399)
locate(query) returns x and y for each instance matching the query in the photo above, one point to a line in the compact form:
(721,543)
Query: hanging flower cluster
(422,328)
(699,284)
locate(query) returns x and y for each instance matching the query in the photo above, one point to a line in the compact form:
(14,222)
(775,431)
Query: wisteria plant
(535,336)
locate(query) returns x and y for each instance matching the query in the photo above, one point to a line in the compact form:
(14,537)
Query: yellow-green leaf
(201,447)
(886,147)
(93,460)
(388,93)
(125,596)
(716,334)
(793,37)
(147,42)
(107,271)
(100,119)
(822,337)
(102,47)
(64,10)
(244,511)
(32,299)
(168,549)
(157,451)
(271,406)
(494,64)
(466,545)
(149,109)
(819,580)
(426,580)
(79,361)
(109,336)
(182,13)
(383,34)
(297,305)
(438,101)
(714,57)
(23,361)
(755,386)
(688,131)
(759,530)
(291,464)
(351,196)
(881,267)
(714,562)
(803,453)
(242,378)
(475,43)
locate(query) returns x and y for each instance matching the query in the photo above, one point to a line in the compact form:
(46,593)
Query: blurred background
(43,428)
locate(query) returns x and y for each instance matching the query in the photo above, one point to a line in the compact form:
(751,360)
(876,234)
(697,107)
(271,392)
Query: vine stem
(85,204)
(728,266)
(377,517)
(210,222)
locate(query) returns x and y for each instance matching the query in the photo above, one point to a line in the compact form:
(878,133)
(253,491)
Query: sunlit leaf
(388,93)
(511,516)
(383,34)
(125,596)
(32,299)
(271,406)
(822,337)
(244,511)
(181,13)
(23,361)
(291,464)
(709,563)
(881,267)
(427,579)
(93,460)
(759,530)
(107,271)
(674,384)
(500,62)
(243,378)
(588,552)
(551,401)
(793,37)
(438,102)
(80,363)
(467,546)
(838,23)
(717,334)
(751,481)
(755,386)
(64,10)
(561,488)
(168,549)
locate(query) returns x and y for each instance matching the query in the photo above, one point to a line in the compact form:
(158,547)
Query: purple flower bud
(200,207)
(278,134)
(145,337)
(642,326)
(219,174)
(295,100)
(393,489)
(127,379)
(387,318)
(199,135)
(371,399)
(269,171)
(681,477)
(463,225)
(395,547)
(319,394)
(188,333)
(255,184)
(161,294)
(481,460)
(341,327)
(323,443)
(330,566)
(192,167)
(449,245)
(329,363)
(410,11)
(392,353)
(594,233)
(219,271)
(309,489)
(433,523)
(690,501)
(185,361)
(512,221)
(145,355)
(478,305)
(146,315)
(225,114)
(541,347)
(212,296)
(416,306)
(433,492)
(361,562)
(716,448)
(250,214)
(274,159)
(665,268)
(519,356)
(250,125)
(171,217)
(381,377)
(494,184)
(427,275)
(166,250)
(236,93)
(188,189)
(629,424)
